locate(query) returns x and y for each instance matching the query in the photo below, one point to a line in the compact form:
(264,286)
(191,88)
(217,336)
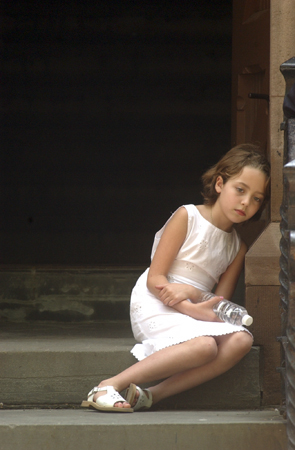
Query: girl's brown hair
(230,165)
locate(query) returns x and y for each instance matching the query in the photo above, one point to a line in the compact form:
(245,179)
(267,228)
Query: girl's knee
(208,347)
(244,341)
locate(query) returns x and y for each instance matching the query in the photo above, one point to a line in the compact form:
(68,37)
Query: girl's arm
(167,250)
(228,280)
(225,288)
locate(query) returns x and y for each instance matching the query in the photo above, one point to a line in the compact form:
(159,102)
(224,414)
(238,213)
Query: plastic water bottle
(228,311)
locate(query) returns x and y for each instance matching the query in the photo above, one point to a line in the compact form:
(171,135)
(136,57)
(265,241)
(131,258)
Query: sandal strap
(144,401)
(95,390)
(111,395)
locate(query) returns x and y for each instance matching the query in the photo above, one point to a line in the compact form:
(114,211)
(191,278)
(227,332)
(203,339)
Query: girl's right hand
(200,311)
(173,293)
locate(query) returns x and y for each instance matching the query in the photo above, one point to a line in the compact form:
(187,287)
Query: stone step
(164,430)
(57,364)
(67,294)
(70,294)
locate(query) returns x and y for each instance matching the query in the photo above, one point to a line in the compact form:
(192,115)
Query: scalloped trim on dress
(140,354)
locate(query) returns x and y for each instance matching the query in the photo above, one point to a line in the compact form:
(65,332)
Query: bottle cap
(247,320)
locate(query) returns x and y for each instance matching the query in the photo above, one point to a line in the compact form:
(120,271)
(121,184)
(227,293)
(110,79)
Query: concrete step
(158,430)
(57,364)
(67,294)
(70,294)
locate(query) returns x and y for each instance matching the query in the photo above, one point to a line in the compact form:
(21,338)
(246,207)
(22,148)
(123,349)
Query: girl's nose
(245,201)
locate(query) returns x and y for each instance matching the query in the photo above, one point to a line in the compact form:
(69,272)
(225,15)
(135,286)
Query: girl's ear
(219,184)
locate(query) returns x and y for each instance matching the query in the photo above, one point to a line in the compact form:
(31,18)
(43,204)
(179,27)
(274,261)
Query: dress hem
(138,350)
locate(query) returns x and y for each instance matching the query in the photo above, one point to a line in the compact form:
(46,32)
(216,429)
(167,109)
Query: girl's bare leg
(200,360)
(231,349)
(164,363)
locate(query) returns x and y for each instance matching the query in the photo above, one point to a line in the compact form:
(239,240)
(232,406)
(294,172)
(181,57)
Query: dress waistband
(188,273)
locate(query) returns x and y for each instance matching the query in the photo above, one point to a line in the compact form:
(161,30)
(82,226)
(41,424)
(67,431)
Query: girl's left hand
(172,293)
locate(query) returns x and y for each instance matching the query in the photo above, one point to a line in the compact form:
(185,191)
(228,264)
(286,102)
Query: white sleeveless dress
(205,254)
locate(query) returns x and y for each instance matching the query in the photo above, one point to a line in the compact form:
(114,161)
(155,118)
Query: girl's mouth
(240,212)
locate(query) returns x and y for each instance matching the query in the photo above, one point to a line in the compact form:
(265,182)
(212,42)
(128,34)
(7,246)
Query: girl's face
(242,195)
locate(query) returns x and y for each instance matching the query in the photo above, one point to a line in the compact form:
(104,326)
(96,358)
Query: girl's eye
(240,190)
(257,199)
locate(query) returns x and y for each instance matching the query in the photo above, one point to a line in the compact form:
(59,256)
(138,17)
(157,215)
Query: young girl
(182,341)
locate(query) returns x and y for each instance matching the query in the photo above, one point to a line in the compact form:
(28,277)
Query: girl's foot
(106,399)
(139,398)
(104,392)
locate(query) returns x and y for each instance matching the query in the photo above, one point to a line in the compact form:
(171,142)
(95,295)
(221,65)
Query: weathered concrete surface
(186,430)
(66,293)
(49,364)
